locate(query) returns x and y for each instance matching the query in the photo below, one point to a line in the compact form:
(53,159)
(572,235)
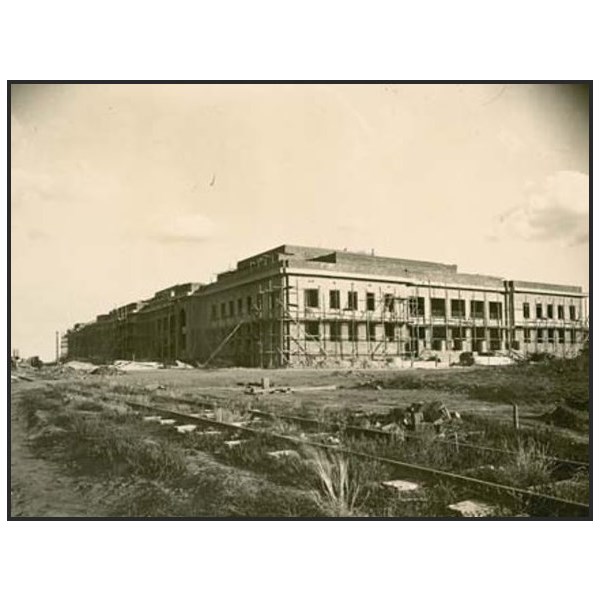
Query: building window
(540,336)
(223,310)
(311,298)
(572,313)
(572,336)
(550,311)
(313,330)
(335,331)
(213,312)
(353,332)
(526,310)
(352,300)
(457,309)
(456,338)
(240,306)
(390,331)
(371,332)
(249,304)
(388,301)
(231,308)
(495,339)
(561,336)
(527,335)
(551,336)
(334,299)
(539,311)
(259,303)
(495,310)
(438,307)
(477,309)
(561,312)
(370,301)
(416,307)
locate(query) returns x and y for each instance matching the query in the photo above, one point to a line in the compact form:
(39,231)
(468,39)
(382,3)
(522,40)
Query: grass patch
(555,380)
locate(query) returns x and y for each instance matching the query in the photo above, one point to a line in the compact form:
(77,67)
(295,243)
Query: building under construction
(303,306)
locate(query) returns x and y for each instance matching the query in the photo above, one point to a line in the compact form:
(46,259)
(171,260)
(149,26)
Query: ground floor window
(313,331)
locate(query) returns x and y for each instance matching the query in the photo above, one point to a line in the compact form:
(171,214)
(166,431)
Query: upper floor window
(334,299)
(526,312)
(457,308)
(550,311)
(352,300)
(572,313)
(496,310)
(477,309)
(370,301)
(311,298)
(561,311)
(438,307)
(539,311)
(389,303)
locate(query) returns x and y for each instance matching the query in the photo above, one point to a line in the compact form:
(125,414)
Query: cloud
(186,228)
(555,210)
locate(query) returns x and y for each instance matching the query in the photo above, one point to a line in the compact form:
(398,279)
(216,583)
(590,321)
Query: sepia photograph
(299,300)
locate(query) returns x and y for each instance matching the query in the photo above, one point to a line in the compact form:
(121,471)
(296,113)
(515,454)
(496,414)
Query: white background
(297,40)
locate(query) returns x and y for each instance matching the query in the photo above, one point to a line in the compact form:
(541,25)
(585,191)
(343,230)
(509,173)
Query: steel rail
(557,506)
(375,432)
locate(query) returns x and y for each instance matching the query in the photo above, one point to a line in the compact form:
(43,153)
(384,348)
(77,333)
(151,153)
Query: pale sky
(121,190)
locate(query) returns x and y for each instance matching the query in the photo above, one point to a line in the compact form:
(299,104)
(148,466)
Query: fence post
(515,416)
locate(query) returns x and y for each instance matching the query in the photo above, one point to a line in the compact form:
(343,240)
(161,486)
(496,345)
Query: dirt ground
(40,487)
(43,487)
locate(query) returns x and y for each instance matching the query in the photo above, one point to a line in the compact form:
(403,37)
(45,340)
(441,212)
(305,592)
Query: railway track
(539,504)
(353,430)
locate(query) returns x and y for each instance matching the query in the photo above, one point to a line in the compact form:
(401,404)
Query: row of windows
(416,305)
(551,335)
(313,331)
(539,311)
(233,307)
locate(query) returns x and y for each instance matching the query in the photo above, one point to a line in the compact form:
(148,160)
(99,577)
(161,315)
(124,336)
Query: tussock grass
(342,489)
(529,466)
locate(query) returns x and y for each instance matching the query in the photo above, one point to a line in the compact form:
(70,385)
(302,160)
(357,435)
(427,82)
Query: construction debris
(186,428)
(260,388)
(268,390)
(400,485)
(153,418)
(131,365)
(472,508)
(278,454)
(77,365)
(232,443)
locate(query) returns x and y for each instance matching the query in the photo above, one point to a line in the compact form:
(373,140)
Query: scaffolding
(277,332)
